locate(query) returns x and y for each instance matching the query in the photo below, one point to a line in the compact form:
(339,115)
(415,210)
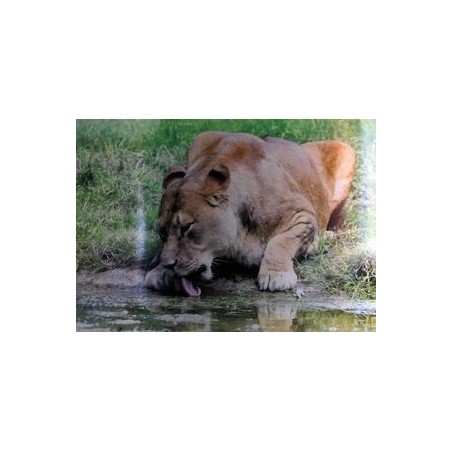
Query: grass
(120,165)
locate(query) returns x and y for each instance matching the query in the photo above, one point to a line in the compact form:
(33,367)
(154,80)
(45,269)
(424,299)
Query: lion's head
(195,224)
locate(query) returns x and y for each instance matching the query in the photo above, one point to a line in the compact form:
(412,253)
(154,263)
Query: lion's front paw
(162,279)
(274,280)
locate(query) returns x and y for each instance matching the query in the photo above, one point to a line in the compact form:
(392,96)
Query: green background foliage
(121,163)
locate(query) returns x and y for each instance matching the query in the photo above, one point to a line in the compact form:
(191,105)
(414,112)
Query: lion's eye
(185,228)
(163,234)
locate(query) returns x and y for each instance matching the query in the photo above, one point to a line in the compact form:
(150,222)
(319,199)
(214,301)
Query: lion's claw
(275,281)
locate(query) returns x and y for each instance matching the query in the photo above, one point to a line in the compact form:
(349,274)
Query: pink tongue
(190,289)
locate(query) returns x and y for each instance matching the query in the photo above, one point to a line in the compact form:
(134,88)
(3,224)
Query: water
(108,309)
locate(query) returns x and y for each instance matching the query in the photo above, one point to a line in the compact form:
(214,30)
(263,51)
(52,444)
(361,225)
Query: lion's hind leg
(337,217)
(343,172)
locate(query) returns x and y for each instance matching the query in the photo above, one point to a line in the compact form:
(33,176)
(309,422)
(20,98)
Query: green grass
(120,165)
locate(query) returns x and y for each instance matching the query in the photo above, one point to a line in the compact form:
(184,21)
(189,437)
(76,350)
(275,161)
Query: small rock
(299,292)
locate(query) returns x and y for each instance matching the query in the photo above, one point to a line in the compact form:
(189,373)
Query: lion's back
(272,175)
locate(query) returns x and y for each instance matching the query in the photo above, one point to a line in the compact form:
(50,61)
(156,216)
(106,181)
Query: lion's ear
(176,172)
(217,181)
(218,178)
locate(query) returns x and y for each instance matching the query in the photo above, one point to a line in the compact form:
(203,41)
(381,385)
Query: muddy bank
(118,277)
(311,296)
(134,278)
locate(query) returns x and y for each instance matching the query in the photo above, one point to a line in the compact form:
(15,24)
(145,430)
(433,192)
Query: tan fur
(257,202)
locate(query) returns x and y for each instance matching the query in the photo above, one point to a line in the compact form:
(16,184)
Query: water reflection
(101,309)
(277,316)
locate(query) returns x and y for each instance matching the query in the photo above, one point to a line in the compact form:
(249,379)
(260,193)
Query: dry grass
(341,266)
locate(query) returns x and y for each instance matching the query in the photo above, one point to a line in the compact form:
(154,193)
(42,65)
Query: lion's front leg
(299,236)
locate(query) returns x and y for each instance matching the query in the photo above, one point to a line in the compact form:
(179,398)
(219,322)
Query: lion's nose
(170,264)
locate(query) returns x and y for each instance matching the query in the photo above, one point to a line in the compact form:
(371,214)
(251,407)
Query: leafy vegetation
(120,165)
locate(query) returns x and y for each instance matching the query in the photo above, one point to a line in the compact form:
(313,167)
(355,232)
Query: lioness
(250,200)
